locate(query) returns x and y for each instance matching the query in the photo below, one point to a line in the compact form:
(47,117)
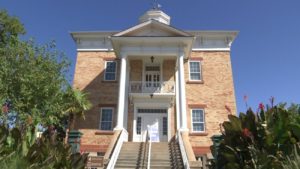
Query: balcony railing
(151,87)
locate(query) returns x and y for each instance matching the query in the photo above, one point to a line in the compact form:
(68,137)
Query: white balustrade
(152,87)
(113,159)
(149,148)
(182,150)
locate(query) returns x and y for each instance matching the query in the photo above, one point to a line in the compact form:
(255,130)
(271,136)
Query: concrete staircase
(132,156)
(164,155)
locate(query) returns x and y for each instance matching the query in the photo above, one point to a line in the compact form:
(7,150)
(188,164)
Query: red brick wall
(215,91)
(89,75)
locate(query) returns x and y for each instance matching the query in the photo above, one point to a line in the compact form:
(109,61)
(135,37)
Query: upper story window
(198,122)
(106,118)
(110,70)
(195,70)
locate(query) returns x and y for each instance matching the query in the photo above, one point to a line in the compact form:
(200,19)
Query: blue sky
(265,56)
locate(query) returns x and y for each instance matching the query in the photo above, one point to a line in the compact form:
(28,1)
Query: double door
(152,79)
(155,123)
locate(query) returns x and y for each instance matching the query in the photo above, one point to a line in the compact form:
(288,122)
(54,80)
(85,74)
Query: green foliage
(259,140)
(33,80)
(292,161)
(76,104)
(34,93)
(10,28)
(17,151)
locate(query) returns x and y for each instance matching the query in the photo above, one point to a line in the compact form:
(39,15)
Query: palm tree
(76,104)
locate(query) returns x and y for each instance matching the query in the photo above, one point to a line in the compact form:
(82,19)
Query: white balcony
(141,87)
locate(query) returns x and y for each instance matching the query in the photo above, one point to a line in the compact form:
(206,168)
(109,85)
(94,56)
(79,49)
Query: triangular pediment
(153,28)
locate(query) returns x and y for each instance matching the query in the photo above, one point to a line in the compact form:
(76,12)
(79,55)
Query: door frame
(158,117)
(147,63)
(150,105)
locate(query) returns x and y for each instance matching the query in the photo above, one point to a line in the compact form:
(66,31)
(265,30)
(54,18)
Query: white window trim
(204,126)
(200,68)
(112,117)
(110,72)
(152,64)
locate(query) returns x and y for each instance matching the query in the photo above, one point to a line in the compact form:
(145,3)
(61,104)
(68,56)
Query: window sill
(104,132)
(197,106)
(109,81)
(195,82)
(198,134)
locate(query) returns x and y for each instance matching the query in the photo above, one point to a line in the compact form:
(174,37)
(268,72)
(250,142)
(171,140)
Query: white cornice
(95,50)
(194,49)
(203,40)
(212,32)
(211,49)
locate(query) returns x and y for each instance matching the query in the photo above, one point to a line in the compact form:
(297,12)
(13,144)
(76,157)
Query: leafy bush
(35,93)
(292,161)
(259,140)
(23,150)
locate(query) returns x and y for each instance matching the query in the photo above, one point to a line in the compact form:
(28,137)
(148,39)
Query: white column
(121,101)
(126,95)
(182,96)
(178,119)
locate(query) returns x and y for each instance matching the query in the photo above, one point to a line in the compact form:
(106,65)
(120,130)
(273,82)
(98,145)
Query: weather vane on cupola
(155,5)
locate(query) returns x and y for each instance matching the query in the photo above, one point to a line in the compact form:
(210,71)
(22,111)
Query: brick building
(152,75)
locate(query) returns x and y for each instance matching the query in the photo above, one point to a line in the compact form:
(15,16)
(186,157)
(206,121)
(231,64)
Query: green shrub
(292,161)
(259,140)
(17,150)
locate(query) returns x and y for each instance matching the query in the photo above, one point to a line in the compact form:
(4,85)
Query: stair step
(164,155)
(128,163)
(123,167)
(131,158)
(128,166)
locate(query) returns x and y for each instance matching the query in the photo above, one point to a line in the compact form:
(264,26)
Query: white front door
(156,120)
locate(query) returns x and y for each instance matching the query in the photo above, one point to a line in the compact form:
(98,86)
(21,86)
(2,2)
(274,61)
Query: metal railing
(123,137)
(148,137)
(152,87)
(183,151)
(145,150)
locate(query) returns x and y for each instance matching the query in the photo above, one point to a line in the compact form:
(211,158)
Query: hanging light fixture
(152,59)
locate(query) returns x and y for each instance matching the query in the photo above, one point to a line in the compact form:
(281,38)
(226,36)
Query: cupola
(155,14)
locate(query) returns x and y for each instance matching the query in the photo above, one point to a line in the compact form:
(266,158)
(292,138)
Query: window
(139,125)
(198,120)
(152,68)
(152,110)
(165,126)
(106,118)
(195,70)
(110,70)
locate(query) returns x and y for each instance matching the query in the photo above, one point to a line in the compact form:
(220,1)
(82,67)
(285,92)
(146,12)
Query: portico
(152,42)
(164,50)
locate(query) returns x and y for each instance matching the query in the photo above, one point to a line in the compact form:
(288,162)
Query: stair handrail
(145,149)
(148,137)
(113,159)
(182,150)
